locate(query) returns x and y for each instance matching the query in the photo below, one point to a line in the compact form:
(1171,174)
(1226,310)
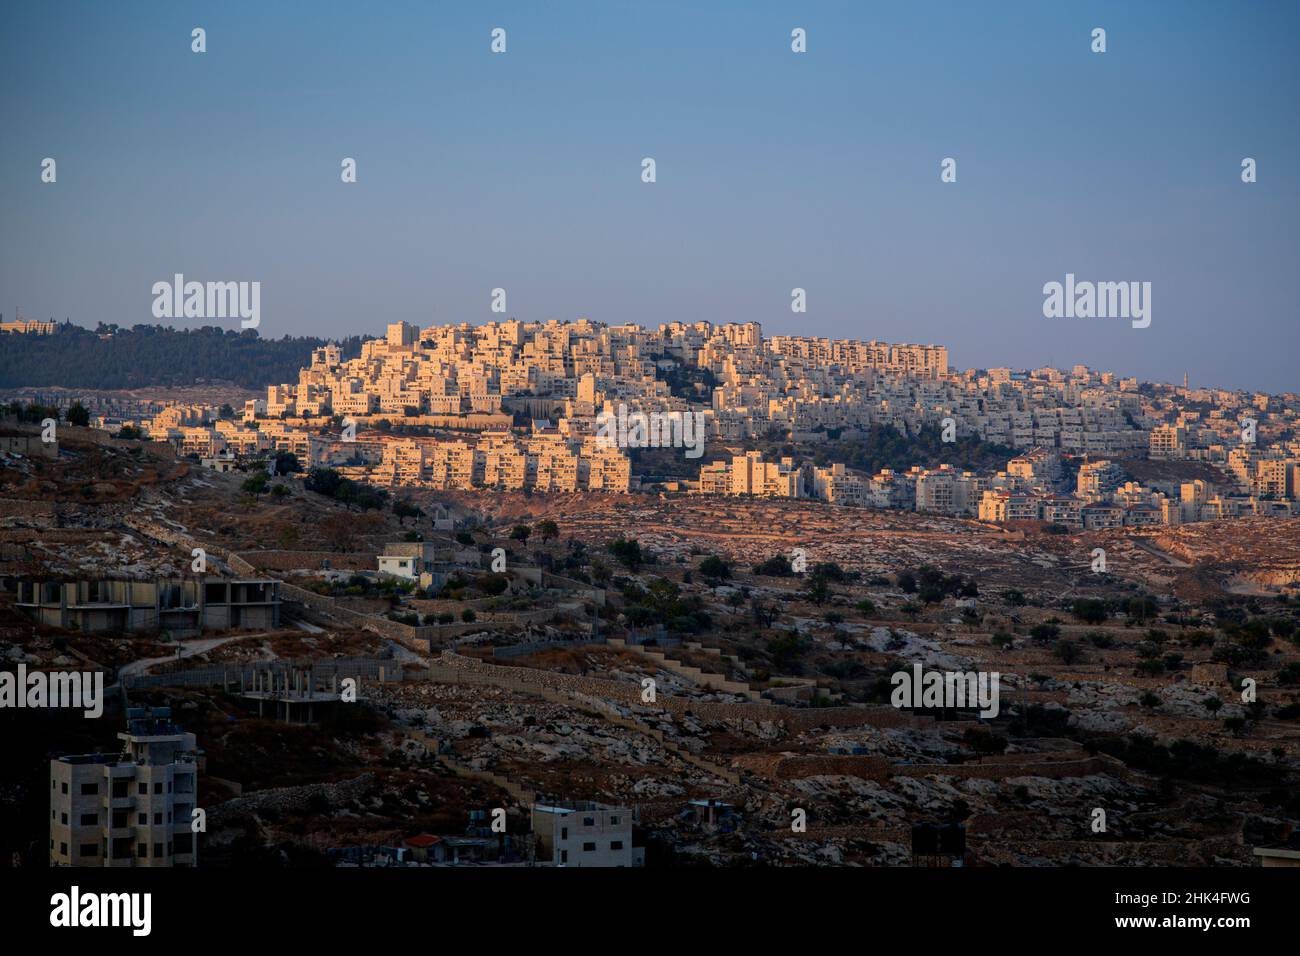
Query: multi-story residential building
(1002,506)
(839,486)
(1101,515)
(748,474)
(1063,509)
(935,490)
(1168,441)
(1098,479)
(133,808)
(585,834)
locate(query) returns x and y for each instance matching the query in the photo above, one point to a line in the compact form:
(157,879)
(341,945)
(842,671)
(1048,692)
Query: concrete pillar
(200,600)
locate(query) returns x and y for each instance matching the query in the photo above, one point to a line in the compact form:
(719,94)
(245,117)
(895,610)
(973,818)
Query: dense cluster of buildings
(1029,489)
(515,406)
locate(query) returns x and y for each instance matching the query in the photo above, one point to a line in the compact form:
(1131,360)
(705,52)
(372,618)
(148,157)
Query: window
(142,789)
(120,819)
(63,818)
(120,789)
(588,847)
(65,786)
(89,819)
(89,789)
(564,856)
(616,844)
(157,819)
(63,849)
(142,819)
(564,833)
(142,850)
(169,786)
(588,821)
(157,787)
(184,843)
(613,821)
(90,849)
(157,851)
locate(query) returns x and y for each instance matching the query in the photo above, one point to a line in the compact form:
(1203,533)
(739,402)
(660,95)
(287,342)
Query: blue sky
(775,170)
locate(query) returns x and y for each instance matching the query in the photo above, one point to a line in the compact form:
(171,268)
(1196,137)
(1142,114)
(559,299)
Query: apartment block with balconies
(129,809)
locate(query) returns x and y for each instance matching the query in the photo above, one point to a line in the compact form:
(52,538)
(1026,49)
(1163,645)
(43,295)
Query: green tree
(627,551)
(715,567)
(777,566)
(77,415)
(1090,611)
(256,484)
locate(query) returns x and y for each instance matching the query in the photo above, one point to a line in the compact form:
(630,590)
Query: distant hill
(144,355)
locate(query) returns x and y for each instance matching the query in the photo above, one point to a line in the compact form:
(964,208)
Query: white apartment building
(839,486)
(1001,506)
(748,474)
(1168,441)
(935,490)
(1098,479)
(132,808)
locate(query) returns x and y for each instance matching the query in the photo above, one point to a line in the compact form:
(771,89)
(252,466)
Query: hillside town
(516,406)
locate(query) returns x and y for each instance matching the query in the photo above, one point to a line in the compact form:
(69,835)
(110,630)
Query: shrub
(1045,632)
(1090,611)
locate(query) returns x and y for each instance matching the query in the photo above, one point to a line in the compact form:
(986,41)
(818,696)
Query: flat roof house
(132,808)
(585,834)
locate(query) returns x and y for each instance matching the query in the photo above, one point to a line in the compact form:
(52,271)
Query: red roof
(423,840)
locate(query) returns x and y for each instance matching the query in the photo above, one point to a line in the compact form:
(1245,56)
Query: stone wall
(880,769)
(629,693)
(277,560)
(17,507)
(290,799)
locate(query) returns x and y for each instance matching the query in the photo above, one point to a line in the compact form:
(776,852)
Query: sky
(775,170)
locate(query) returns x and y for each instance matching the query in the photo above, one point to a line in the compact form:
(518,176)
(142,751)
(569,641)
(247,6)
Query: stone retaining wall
(629,693)
(291,799)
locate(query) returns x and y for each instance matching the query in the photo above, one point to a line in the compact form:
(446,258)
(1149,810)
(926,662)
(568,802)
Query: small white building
(221,463)
(585,834)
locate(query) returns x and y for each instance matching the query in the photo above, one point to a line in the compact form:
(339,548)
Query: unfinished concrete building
(176,606)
